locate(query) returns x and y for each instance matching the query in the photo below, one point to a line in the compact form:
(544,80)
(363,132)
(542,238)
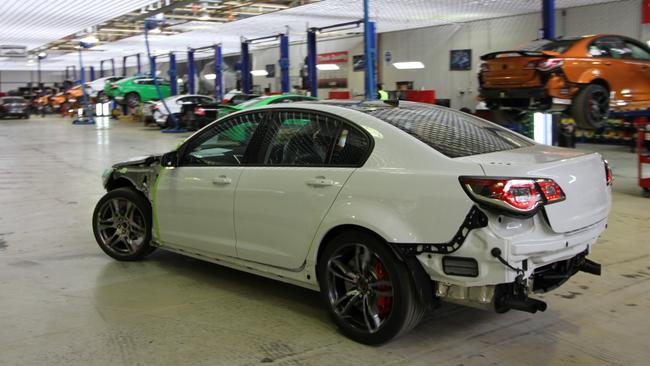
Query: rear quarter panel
(406,192)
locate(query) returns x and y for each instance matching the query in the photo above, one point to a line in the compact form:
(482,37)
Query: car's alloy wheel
(370,294)
(122,224)
(132,99)
(360,288)
(102,97)
(591,107)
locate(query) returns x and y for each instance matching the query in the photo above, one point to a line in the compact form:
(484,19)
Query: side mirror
(169,159)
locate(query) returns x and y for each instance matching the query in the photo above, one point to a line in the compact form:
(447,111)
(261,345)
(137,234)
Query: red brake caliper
(384,303)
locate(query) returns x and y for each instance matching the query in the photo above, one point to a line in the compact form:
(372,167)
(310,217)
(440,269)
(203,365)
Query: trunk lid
(511,68)
(581,175)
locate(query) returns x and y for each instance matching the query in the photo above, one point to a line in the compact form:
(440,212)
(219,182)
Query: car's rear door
(638,57)
(305,160)
(193,202)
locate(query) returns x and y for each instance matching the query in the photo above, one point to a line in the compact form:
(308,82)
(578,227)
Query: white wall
(297,54)
(14,79)
(432,45)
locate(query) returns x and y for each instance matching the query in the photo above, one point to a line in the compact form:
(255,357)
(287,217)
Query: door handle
(319,182)
(222,180)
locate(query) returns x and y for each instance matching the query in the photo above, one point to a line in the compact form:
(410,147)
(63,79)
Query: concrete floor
(63,302)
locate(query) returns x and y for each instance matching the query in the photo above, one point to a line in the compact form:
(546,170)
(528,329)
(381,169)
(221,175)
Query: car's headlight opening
(515,195)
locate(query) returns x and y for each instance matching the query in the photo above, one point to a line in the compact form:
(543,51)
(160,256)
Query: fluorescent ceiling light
(328,67)
(212,76)
(259,73)
(91,39)
(409,65)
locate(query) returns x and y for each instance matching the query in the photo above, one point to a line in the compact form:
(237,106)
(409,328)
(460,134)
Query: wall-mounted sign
(358,63)
(270,69)
(333,57)
(388,56)
(460,60)
(645,17)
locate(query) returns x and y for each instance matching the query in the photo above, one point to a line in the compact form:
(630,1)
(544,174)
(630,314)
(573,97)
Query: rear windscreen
(454,134)
(559,46)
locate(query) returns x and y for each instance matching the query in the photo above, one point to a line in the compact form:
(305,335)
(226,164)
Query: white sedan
(95,88)
(385,209)
(175,103)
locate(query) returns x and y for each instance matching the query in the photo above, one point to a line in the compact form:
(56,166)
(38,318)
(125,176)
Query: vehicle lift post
(172,73)
(218,73)
(92,73)
(370,53)
(86,117)
(137,60)
(74,72)
(246,80)
(101,67)
(191,67)
(190,71)
(283,62)
(546,125)
(312,55)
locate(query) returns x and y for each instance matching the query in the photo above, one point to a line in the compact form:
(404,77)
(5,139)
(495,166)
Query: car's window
(225,143)
(300,138)
(452,133)
(351,147)
(559,46)
(205,100)
(637,52)
(609,47)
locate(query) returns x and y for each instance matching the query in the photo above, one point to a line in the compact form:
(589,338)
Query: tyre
(132,99)
(508,117)
(591,107)
(102,97)
(122,224)
(368,291)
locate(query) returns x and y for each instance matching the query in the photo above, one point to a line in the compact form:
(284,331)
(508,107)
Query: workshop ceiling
(36,23)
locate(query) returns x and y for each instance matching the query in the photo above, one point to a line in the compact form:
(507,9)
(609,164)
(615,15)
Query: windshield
(252,102)
(453,133)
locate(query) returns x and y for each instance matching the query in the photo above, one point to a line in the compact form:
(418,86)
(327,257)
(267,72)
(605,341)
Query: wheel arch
(423,283)
(120,182)
(602,82)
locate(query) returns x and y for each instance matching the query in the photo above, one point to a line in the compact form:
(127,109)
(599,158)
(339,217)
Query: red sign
(645,17)
(333,58)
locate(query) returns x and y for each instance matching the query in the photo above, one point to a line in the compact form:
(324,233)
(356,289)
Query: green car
(137,89)
(202,114)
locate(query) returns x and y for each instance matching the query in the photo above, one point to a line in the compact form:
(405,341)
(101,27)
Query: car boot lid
(581,176)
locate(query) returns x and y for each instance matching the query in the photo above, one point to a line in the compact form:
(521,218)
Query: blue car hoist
(283,62)
(370,55)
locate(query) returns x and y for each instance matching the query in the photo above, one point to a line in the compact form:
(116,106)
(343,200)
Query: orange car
(74,93)
(584,76)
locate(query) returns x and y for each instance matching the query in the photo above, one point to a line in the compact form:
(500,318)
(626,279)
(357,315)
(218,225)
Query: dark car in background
(14,107)
(198,115)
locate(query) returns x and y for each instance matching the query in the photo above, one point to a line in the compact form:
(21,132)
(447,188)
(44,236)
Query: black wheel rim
(121,226)
(598,105)
(132,100)
(359,287)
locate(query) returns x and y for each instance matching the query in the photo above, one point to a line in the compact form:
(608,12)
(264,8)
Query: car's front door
(305,160)
(193,202)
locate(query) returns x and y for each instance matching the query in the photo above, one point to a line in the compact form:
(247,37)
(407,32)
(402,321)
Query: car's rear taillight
(517,195)
(608,173)
(550,64)
(154,107)
(199,112)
